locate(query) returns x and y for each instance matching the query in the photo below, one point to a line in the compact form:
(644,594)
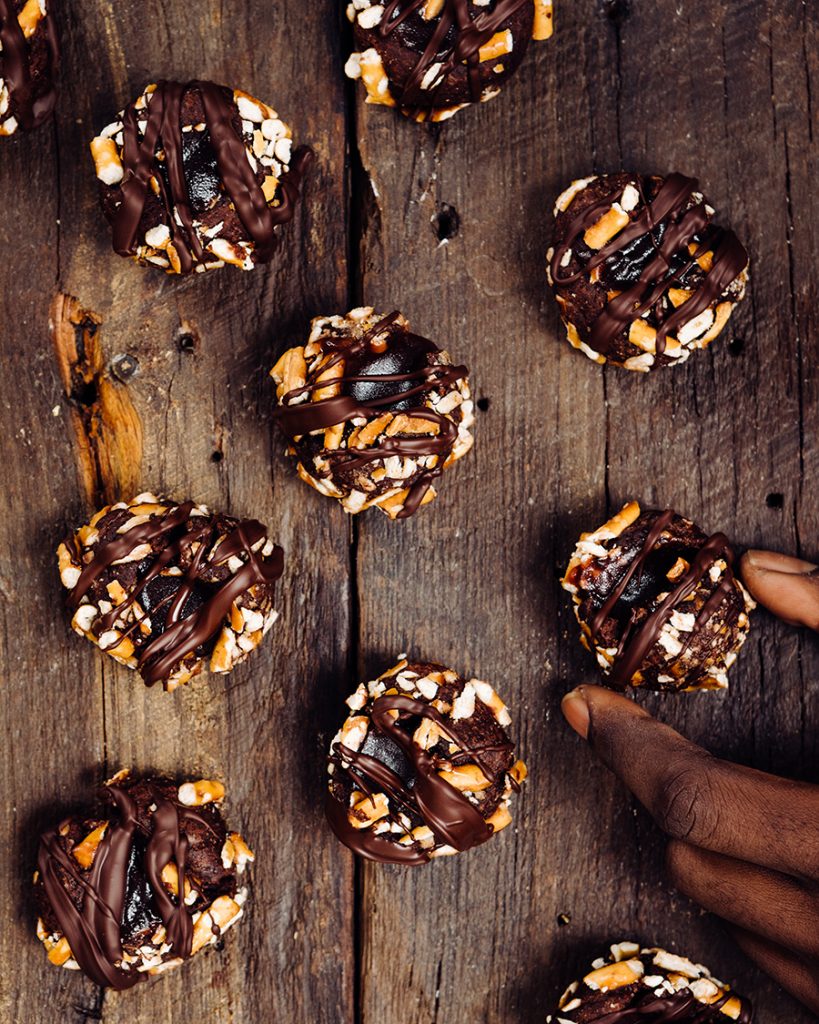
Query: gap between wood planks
(363,219)
(358,186)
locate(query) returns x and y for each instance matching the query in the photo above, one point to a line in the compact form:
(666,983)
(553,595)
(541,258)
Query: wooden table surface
(721,90)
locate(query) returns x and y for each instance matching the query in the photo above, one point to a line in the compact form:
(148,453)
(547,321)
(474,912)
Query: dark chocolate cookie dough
(422,767)
(430,58)
(658,602)
(373,412)
(649,986)
(195,175)
(642,275)
(107,886)
(171,589)
(29,60)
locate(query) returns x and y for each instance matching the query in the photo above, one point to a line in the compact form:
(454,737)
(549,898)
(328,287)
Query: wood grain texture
(726,92)
(205,406)
(722,92)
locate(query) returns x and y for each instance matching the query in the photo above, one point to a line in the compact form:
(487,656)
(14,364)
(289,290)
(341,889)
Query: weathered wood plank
(473,580)
(719,436)
(44,674)
(208,435)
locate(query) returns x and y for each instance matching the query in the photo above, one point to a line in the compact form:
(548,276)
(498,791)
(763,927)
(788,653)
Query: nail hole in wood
(736,346)
(217,456)
(483,404)
(187,339)
(446,222)
(775,500)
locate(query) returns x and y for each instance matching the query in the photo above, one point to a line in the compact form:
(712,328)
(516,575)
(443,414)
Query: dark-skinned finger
(772,905)
(798,976)
(695,797)
(788,587)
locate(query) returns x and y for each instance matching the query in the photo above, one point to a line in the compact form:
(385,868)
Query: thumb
(787,586)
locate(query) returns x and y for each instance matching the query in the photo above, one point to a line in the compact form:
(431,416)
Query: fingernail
(575,710)
(772,561)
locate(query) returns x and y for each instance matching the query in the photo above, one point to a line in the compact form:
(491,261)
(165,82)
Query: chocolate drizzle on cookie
(162,131)
(414,377)
(93,930)
(182,620)
(457,39)
(680,1008)
(32,100)
(450,816)
(678,229)
(638,638)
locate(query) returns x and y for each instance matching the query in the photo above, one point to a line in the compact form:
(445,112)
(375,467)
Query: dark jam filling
(139,914)
(202,175)
(159,594)
(644,587)
(383,749)
(415,32)
(407,354)
(203,180)
(625,267)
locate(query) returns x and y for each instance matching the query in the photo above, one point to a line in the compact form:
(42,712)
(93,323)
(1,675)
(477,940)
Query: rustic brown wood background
(722,90)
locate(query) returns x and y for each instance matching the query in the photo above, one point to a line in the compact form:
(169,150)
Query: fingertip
(584,702)
(788,587)
(773,561)
(575,710)
(602,697)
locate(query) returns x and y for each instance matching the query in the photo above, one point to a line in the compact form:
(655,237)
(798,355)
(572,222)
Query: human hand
(744,844)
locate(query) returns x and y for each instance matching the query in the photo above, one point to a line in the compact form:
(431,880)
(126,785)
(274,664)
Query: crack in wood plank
(107,430)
